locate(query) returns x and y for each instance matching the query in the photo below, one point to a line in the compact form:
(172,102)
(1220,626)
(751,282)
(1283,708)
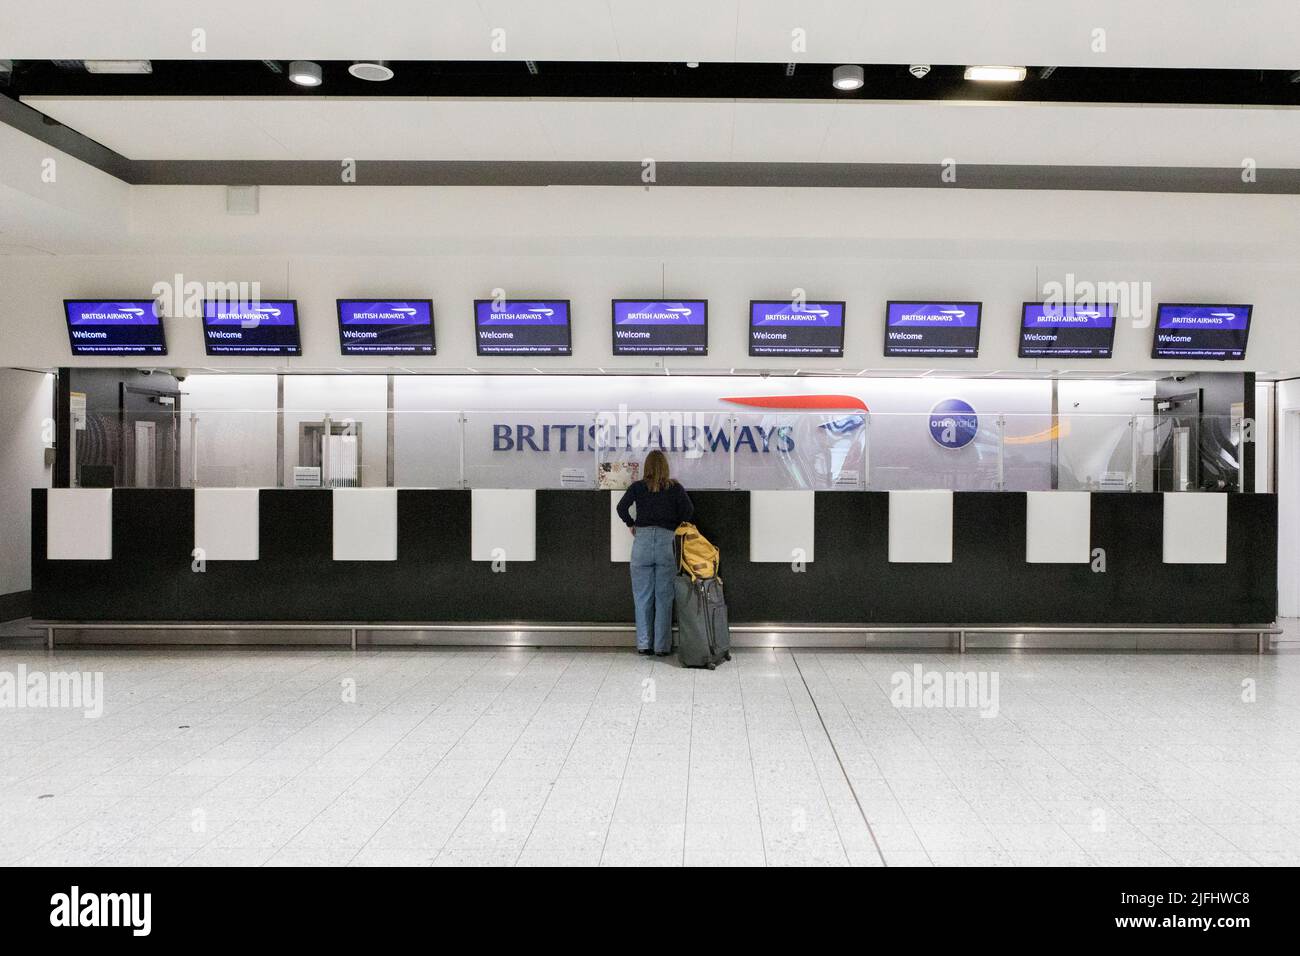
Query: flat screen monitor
(1213,332)
(796,329)
(522,327)
(114,327)
(386,327)
(662,327)
(932,329)
(265,327)
(1066,330)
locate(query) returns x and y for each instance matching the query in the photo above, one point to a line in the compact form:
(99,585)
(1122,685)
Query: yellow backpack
(695,555)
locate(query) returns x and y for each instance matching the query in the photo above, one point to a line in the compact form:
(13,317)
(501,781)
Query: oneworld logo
(953,423)
(75,908)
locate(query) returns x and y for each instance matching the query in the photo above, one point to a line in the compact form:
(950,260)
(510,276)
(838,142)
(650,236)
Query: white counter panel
(226,523)
(79,524)
(920,527)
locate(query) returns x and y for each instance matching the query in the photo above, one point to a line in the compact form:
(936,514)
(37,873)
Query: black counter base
(851,582)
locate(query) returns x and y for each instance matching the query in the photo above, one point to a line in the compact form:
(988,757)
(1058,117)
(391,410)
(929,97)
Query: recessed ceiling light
(119,66)
(305,73)
(847,78)
(376,71)
(996,74)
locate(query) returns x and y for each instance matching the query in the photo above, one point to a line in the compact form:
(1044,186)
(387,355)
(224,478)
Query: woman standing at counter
(661,505)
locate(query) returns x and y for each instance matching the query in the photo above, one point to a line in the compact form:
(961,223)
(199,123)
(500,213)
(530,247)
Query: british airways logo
(577,437)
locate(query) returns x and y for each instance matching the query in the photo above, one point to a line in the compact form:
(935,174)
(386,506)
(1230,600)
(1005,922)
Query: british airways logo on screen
(932,329)
(99,327)
(796,328)
(1201,331)
(1066,330)
(251,328)
(516,327)
(661,327)
(932,314)
(386,327)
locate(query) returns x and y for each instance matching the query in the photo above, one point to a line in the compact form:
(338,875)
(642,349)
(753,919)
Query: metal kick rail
(1262,632)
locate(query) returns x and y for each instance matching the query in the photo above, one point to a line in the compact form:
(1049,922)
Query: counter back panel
(573,580)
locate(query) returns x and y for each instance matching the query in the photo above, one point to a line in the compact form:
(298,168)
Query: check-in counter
(546,557)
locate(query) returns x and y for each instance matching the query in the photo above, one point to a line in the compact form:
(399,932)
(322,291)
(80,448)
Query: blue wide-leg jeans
(653,568)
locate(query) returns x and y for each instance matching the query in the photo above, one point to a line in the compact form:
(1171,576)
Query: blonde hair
(655,471)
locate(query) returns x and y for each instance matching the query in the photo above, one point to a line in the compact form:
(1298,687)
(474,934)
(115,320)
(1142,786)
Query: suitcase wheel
(727,656)
(711,666)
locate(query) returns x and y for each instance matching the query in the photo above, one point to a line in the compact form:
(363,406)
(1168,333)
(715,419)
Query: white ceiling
(175,128)
(1262,34)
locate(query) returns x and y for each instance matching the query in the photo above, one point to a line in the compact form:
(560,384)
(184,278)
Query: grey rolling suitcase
(703,639)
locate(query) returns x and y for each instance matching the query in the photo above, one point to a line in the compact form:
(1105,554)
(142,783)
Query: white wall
(26,403)
(1288,497)
(1264,450)
(593,244)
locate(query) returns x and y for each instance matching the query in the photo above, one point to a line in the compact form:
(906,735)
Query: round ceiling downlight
(847,77)
(305,73)
(376,71)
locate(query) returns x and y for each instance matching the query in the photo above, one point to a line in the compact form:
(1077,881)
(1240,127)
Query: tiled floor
(447,757)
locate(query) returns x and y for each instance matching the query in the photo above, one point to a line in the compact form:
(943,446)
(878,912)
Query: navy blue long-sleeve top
(656,509)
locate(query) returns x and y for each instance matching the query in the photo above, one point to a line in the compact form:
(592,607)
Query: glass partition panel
(712,449)
(1097,453)
(530,449)
(426,449)
(787,450)
(953,449)
(133,448)
(1029,444)
(229,449)
(1146,445)
(697,443)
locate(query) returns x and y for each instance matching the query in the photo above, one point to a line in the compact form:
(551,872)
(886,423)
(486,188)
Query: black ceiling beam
(64,139)
(714,174)
(603,80)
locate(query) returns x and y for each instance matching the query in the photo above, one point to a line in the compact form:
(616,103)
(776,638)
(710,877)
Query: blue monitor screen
(677,327)
(1215,332)
(1066,330)
(114,327)
(266,327)
(795,328)
(386,327)
(932,329)
(518,327)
